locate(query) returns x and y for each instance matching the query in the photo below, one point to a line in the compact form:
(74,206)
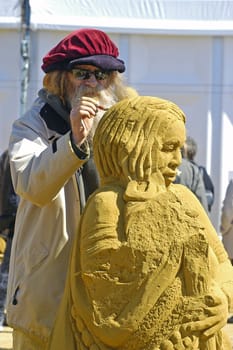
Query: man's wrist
(81,151)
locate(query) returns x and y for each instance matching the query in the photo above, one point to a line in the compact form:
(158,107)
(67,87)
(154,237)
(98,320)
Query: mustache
(104,96)
(87,91)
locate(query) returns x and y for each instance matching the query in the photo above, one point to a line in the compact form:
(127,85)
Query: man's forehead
(86,67)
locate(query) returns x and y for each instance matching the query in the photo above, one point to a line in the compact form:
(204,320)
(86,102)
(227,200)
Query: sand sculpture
(148,271)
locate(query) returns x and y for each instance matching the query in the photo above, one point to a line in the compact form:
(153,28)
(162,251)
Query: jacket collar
(55,115)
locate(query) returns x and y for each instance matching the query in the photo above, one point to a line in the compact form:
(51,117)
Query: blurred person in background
(226,225)
(189,175)
(191,151)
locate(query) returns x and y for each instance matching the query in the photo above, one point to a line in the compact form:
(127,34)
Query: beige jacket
(47,218)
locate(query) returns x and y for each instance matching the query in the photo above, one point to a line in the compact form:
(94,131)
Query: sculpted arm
(220,297)
(97,264)
(224,272)
(115,292)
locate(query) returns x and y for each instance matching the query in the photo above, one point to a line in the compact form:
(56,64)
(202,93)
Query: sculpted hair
(127,133)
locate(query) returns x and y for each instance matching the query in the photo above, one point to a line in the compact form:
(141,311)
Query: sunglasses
(85,74)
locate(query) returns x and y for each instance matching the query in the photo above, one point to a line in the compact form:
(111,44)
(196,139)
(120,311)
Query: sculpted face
(169,153)
(140,139)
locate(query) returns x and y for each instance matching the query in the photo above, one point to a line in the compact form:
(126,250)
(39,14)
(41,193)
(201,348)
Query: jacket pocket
(35,257)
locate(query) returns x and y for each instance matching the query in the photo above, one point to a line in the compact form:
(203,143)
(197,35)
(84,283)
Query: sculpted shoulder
(105,200)
(184,192)
(187,198)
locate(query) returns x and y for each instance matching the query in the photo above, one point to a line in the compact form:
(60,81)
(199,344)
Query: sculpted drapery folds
(146,269)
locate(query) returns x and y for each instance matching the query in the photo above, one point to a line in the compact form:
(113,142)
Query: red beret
(84,46)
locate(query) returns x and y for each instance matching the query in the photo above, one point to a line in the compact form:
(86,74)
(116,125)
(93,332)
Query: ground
(6,341)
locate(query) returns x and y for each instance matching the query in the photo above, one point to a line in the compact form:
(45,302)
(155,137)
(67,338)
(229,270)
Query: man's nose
(92,81)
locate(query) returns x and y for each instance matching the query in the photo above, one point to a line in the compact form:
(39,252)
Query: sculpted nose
(177,158)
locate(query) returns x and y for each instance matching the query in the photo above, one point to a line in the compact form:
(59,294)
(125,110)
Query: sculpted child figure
(148,270)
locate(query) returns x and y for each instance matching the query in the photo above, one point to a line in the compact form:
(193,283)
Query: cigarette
(83,124)
(103,108)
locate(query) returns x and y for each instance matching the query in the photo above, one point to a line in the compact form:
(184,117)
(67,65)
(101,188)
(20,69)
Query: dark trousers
(4,271)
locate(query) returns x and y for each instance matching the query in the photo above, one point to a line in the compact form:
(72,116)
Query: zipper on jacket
(15,301)
(80,185)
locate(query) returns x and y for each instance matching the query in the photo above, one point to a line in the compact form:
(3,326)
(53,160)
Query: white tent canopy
(135,16)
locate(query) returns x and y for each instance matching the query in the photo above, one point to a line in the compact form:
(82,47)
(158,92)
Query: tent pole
(25,48)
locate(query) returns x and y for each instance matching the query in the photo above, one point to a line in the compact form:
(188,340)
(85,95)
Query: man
(48,148)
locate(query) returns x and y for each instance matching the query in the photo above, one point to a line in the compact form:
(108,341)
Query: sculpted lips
(170,174)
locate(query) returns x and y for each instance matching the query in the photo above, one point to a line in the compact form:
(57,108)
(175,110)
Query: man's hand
(81,118)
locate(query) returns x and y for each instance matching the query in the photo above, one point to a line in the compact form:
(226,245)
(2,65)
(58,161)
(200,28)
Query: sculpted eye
(169,147)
